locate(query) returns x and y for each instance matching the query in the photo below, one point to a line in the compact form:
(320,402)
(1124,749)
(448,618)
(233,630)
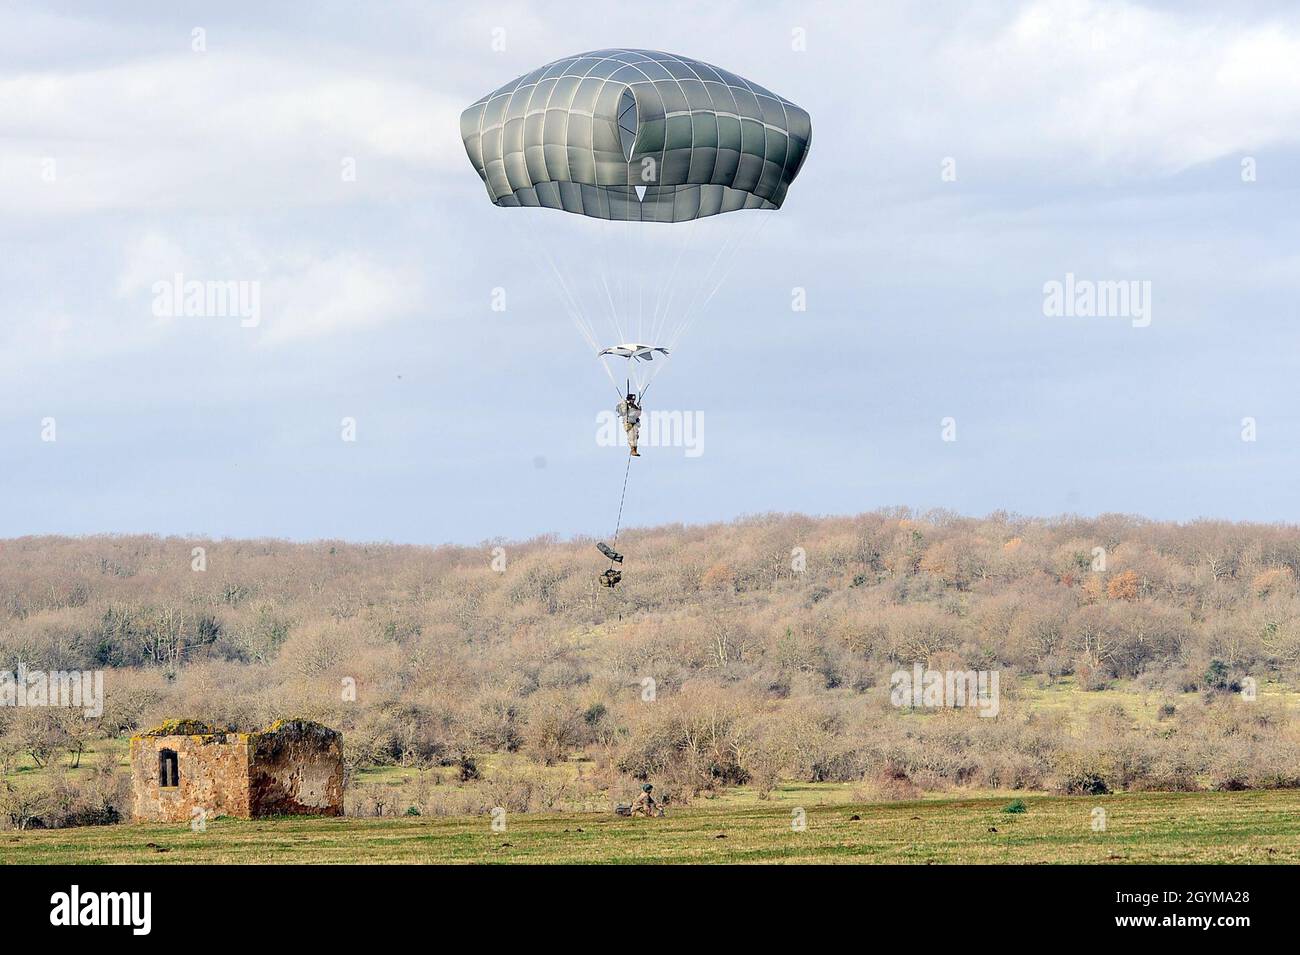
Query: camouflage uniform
(645,805)
(630,412)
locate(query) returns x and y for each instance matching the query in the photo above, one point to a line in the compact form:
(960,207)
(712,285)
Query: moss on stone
(300,728)
(184,727)
(294,727)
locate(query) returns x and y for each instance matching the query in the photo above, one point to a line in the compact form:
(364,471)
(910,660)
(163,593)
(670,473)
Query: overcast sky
(962,160)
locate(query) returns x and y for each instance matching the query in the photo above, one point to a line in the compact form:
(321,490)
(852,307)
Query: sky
(964,159)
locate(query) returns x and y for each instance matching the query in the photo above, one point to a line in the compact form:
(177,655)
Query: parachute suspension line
(642,277)
(726,251)
(664,305)
(613,309)
(649,266)
(611,270)
(662,278)
(750,235)
(667,287)
(703,232)
(580,320)
(635,257)
(617,271)
(604,276)
(670,285)
(571,303)
(723,264)
(557,280)
(715,234)
(704,293)
(627,282)
(567,299)
(627,277)
(610,375)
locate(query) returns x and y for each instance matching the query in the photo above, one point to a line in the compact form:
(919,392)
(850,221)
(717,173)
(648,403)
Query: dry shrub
(886,787)
(762,673)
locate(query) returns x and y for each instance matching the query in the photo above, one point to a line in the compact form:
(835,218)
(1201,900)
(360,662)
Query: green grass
(1065,697)
(940,827)
(1249,827)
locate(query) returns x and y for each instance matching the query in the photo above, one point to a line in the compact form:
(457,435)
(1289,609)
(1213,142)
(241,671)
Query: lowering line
(623,497)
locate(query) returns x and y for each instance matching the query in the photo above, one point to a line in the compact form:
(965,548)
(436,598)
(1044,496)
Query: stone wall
(297,769)
(213,776)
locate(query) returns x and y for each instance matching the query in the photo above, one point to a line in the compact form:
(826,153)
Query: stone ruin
(185,769)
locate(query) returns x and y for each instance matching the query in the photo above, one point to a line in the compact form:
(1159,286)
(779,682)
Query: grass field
(736,826)
(1248,827)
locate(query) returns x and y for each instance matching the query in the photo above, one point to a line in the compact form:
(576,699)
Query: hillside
(1131,655)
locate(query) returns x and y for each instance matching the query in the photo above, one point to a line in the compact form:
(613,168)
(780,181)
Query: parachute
(626,138)
(658,160)
(636,135)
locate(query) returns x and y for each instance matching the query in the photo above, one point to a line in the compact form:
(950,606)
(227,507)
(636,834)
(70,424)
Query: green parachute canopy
(636,135)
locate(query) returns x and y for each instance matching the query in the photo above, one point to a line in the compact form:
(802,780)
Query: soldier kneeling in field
(644,805)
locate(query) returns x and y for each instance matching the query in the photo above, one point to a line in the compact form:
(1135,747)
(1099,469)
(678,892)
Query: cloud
(1067,88)
(149,257)
(342,293)
(216,131)
(1117,86)
(302,290)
